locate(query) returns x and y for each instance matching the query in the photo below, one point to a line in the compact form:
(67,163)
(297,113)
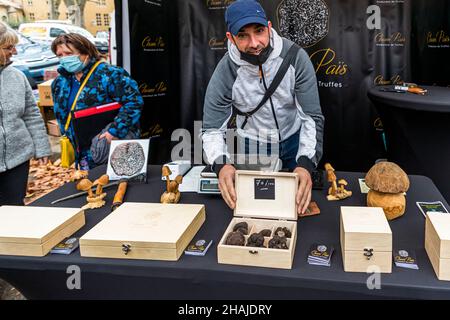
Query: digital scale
(204,180)
(208,182)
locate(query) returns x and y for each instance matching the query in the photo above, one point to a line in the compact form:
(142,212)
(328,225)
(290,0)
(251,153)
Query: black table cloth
(418,132)
(437,99)
(194,277)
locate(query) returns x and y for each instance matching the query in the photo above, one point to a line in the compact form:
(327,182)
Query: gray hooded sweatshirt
(296,103)
(22,130)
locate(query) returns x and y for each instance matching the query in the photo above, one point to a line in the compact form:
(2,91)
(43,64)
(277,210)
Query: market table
(417,131)
(194,277)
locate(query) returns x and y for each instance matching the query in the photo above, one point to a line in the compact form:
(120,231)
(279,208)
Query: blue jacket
(107,84)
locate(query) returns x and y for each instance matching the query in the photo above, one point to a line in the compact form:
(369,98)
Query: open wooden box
(34,231)
(366,239)
(266,200)
(437,243)
(151,231)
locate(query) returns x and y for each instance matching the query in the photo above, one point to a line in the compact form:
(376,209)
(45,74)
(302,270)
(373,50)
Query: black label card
(265,188)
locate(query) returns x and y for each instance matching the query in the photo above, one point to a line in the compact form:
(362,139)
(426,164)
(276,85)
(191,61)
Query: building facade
(96,14)
(11,12)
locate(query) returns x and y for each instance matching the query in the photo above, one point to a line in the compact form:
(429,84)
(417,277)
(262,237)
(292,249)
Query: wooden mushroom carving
(331,177)
(172,194)
(387,183)
(100,182)
(94,200)
(85,185)
(336,192)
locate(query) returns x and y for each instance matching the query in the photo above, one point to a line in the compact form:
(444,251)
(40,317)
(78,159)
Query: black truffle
(255,240)
(283,232)
(235,239)
(265,232)
(242,230)
(278,242)
(241,227)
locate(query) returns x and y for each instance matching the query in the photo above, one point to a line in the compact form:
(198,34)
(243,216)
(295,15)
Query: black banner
(353,45)
(431,42)
(152,53)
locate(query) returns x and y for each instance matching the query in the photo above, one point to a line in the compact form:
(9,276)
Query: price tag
(265,188)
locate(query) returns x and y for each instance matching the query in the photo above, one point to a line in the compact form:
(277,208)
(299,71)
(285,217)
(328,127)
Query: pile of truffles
(258,239)
(237,237)
(387,183)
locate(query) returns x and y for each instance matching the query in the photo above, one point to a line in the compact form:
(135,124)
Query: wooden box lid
(441,224)
(144,225)
(34,225)
(266,194)
(365,227)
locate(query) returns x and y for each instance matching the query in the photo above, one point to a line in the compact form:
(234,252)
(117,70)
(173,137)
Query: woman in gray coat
(22,130)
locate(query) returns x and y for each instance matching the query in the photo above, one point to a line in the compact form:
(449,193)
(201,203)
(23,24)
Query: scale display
(209,185)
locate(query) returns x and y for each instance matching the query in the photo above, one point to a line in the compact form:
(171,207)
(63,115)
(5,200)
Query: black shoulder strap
(290,57)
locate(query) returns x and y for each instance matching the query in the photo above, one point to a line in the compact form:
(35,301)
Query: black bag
(100,147)
(88,123)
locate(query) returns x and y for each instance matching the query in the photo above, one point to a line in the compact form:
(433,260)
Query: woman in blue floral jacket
(106,85)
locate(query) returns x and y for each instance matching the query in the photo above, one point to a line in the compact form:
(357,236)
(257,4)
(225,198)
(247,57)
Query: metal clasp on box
(368,253)
(126,248)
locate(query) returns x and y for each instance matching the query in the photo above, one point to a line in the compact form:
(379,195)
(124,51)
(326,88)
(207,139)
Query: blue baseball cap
(243,12)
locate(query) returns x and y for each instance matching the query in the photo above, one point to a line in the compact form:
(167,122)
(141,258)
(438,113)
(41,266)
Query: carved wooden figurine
(94,200)
(172,194)
(336,192)
(388,183)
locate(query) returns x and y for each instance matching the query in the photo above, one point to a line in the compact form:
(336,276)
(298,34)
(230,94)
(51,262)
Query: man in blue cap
(273,89)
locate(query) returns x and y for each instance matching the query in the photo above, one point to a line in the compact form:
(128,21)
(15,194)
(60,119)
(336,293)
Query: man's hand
(108,136)
(303,197)
(226,185)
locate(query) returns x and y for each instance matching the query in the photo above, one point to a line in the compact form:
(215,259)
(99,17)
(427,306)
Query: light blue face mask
(72,64)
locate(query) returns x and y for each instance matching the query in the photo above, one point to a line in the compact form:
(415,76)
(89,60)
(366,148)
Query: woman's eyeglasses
(10,48)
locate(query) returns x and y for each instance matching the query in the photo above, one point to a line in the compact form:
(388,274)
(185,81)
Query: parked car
(27,73)
(102,35)
(46,31)
(33,59)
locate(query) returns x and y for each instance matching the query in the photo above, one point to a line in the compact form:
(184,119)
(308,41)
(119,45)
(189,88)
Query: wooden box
(53,128)
(266,200)
(45,93)
(151,231)
(366,240)
(437,243)
(34,231)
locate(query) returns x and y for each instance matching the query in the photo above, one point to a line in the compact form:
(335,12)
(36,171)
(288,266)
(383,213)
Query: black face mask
(259,59)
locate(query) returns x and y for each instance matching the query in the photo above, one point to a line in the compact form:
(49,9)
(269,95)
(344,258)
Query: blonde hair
(8,36)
